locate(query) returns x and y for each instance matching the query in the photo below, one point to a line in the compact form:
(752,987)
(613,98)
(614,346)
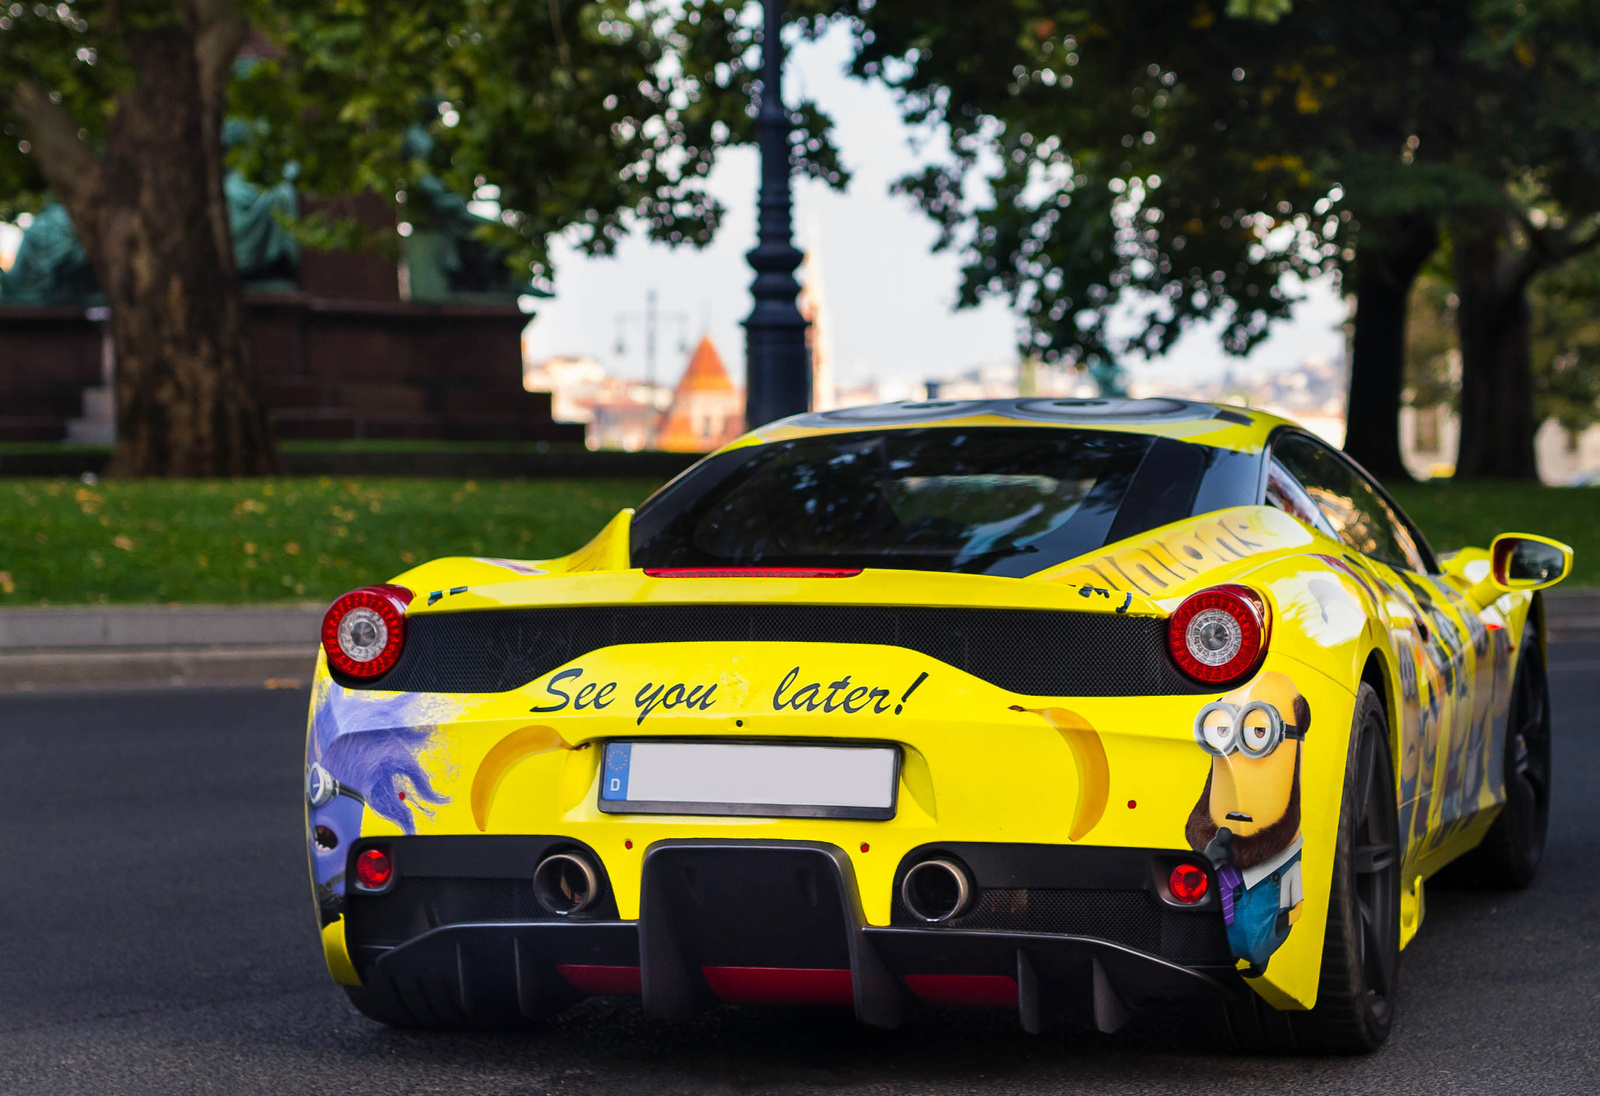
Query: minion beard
(1257,848)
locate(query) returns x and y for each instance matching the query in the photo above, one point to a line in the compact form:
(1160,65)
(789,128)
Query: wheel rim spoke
(1375,957)
(1372,858)
(1375,871)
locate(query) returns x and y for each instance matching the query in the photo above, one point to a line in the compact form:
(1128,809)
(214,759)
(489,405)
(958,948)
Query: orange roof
(706,410)
(706,373)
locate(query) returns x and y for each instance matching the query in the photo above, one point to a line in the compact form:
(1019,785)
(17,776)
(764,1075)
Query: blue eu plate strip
(614,784)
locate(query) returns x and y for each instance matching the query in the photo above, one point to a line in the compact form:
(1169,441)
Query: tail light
(374,869)
(1219,636)
(364,630)
(1187,884)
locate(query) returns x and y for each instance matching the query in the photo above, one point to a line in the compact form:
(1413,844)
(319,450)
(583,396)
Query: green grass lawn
(67,543)
(1470,515)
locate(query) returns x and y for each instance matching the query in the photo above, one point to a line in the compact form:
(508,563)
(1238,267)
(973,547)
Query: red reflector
(780,985)
(752,572)
(964,989)
(605,981)
(374,869)
(1187,883)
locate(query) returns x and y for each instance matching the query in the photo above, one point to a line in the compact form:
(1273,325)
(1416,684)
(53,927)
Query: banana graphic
(1094,774)
(517,746)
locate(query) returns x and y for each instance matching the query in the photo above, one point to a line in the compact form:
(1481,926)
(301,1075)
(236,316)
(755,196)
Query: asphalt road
(159,936)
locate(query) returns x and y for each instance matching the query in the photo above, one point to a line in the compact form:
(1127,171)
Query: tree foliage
(1178,158)
(1111,153)
(1566,344)
(574,117)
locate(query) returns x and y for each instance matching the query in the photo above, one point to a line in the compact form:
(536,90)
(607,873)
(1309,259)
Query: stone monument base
(325,367)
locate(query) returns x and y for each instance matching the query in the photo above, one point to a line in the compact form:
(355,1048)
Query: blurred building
(813,306)
(707,408)
(998,382)
(1313,394)
(617,413)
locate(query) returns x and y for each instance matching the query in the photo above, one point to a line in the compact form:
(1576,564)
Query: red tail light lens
(1219,636)
(364,630)
(374,869)
(1187,883)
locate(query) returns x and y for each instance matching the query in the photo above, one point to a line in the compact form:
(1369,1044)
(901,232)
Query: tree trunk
(1391,253)
(1495,324)
(151,214)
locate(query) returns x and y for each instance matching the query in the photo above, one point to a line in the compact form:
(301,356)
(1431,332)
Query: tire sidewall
(1345,1019)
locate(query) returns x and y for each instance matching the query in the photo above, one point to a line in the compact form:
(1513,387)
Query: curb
(153,645)
(271,667)
(424,464)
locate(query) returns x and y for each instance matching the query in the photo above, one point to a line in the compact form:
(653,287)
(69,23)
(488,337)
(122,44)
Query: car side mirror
(1522,561)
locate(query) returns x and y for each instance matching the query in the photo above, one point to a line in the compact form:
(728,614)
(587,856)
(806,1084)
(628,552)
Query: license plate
(762,780)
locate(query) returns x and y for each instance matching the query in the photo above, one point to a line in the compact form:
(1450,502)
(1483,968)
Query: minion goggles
(1257,737)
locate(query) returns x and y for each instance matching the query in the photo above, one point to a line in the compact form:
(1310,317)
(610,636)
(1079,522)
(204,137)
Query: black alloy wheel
(1509,855)
(1375,872)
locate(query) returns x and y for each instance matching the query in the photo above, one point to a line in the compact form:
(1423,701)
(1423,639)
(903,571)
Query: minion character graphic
(1247,822)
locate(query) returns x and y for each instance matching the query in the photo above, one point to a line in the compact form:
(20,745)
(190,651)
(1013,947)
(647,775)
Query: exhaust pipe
(937,890)
(565,883)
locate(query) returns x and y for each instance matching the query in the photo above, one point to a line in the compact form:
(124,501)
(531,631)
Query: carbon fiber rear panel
(1031,652)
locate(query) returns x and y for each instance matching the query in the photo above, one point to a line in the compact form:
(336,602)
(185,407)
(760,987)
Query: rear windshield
(990,500)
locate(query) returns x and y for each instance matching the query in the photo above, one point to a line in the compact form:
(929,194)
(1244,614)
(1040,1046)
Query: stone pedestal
(326,367)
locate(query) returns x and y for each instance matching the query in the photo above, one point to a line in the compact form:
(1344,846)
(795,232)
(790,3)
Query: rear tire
(1508,856)
(1361,951)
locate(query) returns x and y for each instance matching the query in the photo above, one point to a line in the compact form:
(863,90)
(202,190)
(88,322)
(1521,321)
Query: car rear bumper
(782,922)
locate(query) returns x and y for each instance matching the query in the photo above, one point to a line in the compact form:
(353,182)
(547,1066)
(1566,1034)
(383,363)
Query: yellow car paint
(981,763)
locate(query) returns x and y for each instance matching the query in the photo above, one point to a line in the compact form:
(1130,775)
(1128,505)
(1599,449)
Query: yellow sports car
(1064,706)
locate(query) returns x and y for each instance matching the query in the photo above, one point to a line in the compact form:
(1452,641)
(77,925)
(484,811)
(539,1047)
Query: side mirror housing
(1523,561)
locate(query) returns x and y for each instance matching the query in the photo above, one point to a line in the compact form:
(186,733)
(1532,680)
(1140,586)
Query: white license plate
(737,778)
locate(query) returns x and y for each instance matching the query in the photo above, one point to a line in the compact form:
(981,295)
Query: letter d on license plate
(756,779)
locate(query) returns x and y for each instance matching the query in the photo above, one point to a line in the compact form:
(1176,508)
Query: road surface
(160,938)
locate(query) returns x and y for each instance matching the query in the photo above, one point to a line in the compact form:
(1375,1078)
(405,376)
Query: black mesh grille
(1032,652)
(1194,937)
(1125,916)
(1133,918)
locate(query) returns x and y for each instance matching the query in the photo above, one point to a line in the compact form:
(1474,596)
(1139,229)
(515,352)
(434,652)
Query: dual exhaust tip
(565,883)
(937,890)
(933,890)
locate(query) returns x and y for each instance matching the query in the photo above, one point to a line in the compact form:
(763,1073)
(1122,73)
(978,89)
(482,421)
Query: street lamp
(777,364)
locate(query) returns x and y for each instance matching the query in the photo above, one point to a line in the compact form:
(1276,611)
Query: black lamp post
(777,364)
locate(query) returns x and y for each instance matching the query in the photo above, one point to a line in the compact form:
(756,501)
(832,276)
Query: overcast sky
(890,301)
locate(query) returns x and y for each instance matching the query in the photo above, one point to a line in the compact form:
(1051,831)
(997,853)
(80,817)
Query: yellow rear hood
(871,587)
